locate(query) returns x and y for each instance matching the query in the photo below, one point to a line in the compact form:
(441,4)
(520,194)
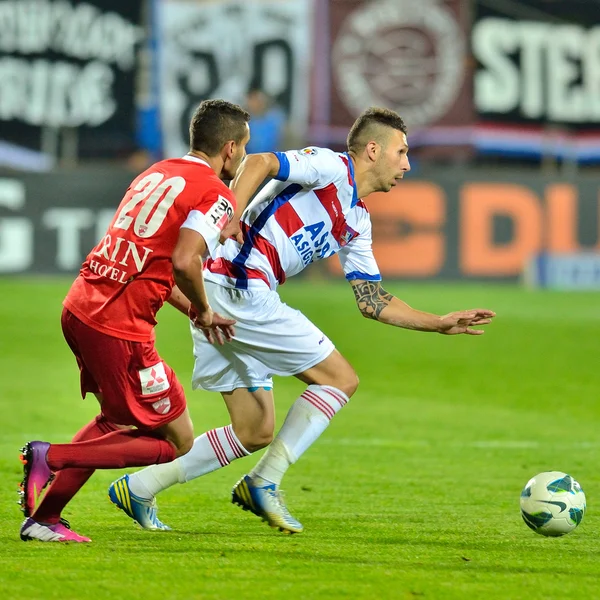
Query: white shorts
(271,338)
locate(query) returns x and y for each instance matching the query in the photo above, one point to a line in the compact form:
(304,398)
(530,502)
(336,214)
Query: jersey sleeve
(210,216)
(357,259)
(310,167)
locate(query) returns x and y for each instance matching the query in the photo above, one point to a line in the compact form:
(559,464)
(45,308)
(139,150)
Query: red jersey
(128,276)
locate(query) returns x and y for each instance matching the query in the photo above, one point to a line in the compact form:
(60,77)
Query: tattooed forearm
(371,298)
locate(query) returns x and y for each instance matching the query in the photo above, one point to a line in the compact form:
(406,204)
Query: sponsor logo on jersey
(118,251)
(311,242)
(154,379)
(220,213)
(308,151)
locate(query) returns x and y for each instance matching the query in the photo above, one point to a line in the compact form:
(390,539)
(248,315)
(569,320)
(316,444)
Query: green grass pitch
(412,492)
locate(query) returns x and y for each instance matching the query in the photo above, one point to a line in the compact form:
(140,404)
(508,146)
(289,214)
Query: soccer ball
(552,503)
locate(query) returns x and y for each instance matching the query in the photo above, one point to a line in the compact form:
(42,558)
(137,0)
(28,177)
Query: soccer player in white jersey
(309,211)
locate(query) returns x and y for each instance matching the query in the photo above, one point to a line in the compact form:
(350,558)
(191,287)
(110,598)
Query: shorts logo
(154,379)
(163,406)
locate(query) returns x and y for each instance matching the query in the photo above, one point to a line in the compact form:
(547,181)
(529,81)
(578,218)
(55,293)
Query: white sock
(211,451)
(305,422)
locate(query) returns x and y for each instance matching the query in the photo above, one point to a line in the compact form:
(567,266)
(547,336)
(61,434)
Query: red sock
(116,450)
(69,481)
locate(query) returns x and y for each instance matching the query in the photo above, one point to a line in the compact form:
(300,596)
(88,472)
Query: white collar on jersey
(195,159)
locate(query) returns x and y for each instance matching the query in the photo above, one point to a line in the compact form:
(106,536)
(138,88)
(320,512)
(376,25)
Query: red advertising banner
(409,56)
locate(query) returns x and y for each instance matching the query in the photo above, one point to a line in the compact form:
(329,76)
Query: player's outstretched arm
(375,303)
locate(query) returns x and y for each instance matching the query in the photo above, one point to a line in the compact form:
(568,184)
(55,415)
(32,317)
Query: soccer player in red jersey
(170,217)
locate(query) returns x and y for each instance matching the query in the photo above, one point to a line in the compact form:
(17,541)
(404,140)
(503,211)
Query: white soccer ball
(552,503)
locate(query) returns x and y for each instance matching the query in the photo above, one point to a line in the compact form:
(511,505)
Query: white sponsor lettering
(83,47)
(68,222)
(134,251)
(107,271)
(119,251)
(543,70)
(16,233)
(74,231)
(103,220)
(56,94)
(79,30)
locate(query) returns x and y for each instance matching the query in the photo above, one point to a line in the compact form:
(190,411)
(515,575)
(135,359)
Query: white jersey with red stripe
(310,211)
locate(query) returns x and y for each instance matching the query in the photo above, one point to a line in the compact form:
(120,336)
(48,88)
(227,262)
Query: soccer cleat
(266,502)
(58,532)
(36,475)
(142,511)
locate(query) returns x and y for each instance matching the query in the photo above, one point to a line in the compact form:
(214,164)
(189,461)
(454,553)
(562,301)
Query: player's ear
(229,148)
(373,150)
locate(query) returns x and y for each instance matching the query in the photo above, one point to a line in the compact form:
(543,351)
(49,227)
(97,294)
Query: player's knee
(256,439)
(349,383)
(183,446)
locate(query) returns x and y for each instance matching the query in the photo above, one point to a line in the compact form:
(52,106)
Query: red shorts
(137,387)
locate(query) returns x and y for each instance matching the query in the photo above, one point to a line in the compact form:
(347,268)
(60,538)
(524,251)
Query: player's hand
(464,321)
(214,327)
(232,231)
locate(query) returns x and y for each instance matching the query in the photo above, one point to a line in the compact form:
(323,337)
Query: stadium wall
(470,224)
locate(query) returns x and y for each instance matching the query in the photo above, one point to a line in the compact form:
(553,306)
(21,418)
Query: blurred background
(501,98)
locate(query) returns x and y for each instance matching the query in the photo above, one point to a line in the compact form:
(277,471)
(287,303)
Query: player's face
(393,162)
(238,153)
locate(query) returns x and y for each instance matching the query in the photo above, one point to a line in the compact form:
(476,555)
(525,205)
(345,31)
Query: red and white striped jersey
(309,211)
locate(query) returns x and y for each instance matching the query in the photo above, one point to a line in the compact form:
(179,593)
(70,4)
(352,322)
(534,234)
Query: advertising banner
(536,85)
(405,55)
(49,222)
(471,225)
(577,271)
(221,49)
(69,64)
(480,225)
